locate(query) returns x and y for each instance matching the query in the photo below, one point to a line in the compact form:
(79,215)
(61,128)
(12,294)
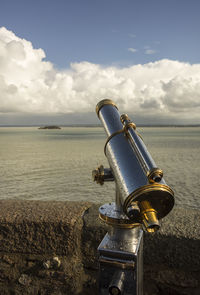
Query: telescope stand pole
(120,256)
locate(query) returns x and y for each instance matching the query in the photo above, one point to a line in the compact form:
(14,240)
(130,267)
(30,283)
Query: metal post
(121,262)
(120,253)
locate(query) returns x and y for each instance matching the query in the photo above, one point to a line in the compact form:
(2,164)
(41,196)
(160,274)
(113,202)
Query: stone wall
(51,248)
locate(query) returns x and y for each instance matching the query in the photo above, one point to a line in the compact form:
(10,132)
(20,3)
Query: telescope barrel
(137,143)
(137,177)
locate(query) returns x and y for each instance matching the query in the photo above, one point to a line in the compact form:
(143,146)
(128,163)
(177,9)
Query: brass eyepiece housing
(149,217)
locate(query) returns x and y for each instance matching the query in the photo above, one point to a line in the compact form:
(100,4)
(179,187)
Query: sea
(57,164)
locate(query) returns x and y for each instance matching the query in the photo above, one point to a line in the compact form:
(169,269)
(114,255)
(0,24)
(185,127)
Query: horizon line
(98,125)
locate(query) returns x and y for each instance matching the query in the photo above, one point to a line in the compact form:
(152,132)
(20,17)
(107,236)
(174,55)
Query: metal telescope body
(142,199)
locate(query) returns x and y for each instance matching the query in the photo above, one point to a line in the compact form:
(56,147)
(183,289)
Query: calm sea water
(57,164)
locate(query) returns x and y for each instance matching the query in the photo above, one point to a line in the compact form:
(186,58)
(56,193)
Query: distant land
(50,127)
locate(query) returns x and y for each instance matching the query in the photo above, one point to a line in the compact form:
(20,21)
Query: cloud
(150,51)
(30,85)
(133,50)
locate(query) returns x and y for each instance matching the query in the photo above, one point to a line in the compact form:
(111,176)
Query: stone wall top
(32,232)
(63,227)
(40,227)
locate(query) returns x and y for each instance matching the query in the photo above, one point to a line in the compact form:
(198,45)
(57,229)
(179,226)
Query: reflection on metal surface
(111,136)
(121,262)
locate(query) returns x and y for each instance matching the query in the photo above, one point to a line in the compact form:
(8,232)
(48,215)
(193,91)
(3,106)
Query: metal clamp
(111,136)
(127,124)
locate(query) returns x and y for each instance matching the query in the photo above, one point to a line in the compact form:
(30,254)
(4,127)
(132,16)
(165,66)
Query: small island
(50,127)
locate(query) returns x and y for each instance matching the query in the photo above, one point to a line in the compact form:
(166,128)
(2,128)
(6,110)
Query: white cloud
(133,50)
(150,51)
(28,84)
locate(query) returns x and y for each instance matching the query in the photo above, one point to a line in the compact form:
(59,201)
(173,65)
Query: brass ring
(138,193)
(104,102)
(124,129)
(122,223)
(132,125)
(129,125)
(110,137)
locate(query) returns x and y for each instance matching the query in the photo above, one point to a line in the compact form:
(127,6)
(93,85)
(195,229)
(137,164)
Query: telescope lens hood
(103,103)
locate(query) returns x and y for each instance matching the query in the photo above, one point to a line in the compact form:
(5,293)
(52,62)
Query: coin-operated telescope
(142,199)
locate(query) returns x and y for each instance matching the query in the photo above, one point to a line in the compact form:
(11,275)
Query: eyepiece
(149,217)
(155,175)
(157,178)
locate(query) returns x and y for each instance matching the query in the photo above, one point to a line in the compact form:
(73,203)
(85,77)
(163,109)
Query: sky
(58,59)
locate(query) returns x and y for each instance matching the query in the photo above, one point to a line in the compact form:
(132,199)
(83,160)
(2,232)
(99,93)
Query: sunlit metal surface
(142,198)
(135,172)
(121,265)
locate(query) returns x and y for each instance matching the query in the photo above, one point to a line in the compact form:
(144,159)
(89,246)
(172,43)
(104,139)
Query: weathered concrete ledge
(51,248)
